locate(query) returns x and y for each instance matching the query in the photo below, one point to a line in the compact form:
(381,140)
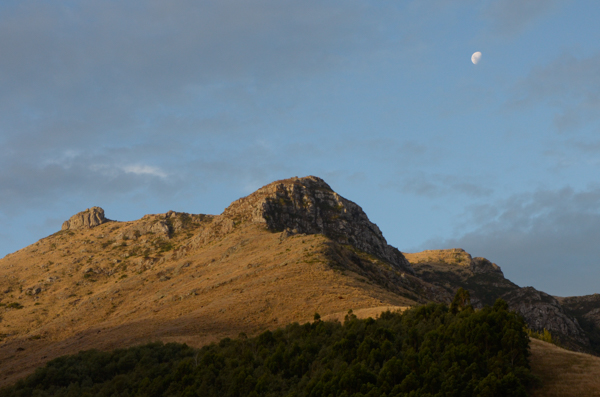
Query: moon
(476,57)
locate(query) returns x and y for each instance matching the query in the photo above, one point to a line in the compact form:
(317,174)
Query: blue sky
(148,106)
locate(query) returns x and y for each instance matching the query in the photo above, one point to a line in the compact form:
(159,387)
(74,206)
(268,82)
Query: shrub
(544,335)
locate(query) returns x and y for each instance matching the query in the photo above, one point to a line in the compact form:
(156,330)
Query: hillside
(564,373)
(288,250)
(196,278)
(428,350)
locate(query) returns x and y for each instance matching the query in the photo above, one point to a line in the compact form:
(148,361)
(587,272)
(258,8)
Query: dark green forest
(431,350)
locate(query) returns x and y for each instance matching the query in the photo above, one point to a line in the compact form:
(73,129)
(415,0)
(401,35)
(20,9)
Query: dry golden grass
(245,281)
(372,312)
(564,373)
(453,256)
(454,260)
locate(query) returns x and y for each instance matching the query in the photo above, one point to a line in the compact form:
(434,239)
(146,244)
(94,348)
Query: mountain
(286,251)
(290,249)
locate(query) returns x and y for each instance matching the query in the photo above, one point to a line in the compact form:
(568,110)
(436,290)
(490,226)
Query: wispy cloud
(140,169)
(570,85)
(511,17)
(25,186)
(435,185)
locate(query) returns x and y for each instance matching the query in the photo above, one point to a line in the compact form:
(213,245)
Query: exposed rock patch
(163,225)
(458,257)
(86,219)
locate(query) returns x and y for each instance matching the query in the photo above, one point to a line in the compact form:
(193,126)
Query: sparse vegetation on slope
(431,350)
(247,280)
(544,335)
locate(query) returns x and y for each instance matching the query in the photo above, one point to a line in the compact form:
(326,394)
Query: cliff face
(542,311)
(309,206)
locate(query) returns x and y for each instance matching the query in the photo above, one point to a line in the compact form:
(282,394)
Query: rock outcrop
(86,219)
(164,225)
(542,311)
(586,309)
(309,205)
(482,266)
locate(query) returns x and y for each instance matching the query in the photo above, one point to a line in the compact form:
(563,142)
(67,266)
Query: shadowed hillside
(454,268)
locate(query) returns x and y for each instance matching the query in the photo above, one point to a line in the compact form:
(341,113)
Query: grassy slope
(246,281)
(564,373)
(203,296)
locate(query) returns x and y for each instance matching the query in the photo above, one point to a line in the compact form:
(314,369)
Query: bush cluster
(432,350)
(544,335)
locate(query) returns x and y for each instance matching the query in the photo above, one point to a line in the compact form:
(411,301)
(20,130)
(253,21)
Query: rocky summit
(86,219)
(289,250)
(309,206)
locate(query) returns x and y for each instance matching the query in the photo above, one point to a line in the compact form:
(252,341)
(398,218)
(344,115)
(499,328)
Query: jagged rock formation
(309,205)
(542,311)
(86,219)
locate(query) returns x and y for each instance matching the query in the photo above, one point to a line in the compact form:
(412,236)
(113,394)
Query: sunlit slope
(109,286)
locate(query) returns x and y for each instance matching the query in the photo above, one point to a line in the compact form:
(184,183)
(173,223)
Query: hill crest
(308,206)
